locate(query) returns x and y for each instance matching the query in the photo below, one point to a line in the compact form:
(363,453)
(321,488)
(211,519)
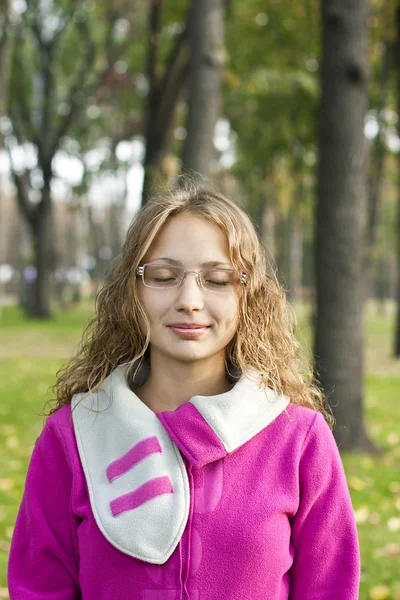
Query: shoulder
(316,443)
(60,422)
(58,433)
(302,421)
(61,418)
(297,427)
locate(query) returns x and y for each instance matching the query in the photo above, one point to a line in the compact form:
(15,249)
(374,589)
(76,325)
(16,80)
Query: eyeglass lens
(167,276)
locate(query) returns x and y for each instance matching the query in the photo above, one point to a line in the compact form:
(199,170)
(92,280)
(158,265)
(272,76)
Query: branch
(113,53)
(5,22)
(75,5)
(175,53)
(175,76)
(171,94)
(375,183)
(129,129)
(77,88)
(26,207)
(165,92)
(5,53)
(154,40)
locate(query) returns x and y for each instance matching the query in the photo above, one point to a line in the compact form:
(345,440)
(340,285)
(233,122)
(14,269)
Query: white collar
(113,422)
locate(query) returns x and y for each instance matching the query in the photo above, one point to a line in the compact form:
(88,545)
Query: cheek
(154,305)
(230,313)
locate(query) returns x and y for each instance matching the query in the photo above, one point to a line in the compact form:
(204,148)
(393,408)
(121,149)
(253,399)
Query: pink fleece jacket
(236,497)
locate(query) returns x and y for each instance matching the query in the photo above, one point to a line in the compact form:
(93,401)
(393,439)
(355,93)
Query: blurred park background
(290,107)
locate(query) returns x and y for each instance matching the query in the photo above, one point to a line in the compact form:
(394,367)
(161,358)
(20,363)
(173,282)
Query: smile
(188,332)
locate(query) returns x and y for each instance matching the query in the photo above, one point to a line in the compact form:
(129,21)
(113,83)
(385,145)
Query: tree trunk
(376,172)
(96,237)
(397,59)
(295,258)
(268,230)
(397,326)
(155,150)
(42,230)
(340,217)
(163,96)
(5,50)
(206,35)
(34,116)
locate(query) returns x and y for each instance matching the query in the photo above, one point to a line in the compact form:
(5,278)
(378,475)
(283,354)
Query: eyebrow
(210,263)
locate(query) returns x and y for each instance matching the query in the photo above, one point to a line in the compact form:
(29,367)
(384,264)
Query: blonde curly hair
(264,342)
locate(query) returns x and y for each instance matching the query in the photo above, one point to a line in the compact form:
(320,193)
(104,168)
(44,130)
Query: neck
(171,384)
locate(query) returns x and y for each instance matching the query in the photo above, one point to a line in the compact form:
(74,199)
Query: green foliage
(271,84)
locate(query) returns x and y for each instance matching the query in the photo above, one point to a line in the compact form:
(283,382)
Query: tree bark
(295,258)
(5,49)
(42,230)
(206,34)
(340,217)
(163,96)
(268,231)
(397,61)
(376,171)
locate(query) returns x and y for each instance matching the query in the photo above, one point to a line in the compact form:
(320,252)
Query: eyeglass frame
(140,273)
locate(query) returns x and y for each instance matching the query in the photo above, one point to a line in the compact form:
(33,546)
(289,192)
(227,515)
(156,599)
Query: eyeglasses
(170,276)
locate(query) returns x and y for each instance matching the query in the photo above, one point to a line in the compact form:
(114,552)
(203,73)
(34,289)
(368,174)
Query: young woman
(187,457)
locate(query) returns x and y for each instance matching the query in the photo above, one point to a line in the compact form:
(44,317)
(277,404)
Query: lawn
(32,351)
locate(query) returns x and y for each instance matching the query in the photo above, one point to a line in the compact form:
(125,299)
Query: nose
(189,294)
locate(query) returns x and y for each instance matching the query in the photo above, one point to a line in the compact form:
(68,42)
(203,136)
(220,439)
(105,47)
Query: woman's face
(189,241)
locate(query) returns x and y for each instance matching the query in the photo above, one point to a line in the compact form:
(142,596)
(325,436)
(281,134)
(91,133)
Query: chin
(187,357)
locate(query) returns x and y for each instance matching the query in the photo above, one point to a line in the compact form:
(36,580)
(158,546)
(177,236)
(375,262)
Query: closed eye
(217,283)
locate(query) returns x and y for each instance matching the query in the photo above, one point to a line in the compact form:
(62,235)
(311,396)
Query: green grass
(374,483)
(32,351)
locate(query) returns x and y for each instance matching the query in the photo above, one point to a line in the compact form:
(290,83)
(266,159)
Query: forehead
(190,238)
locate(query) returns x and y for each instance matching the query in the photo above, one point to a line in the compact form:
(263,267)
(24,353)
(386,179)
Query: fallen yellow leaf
(389,550)
(374,518)
(6,485)
(361,514)
(394,487)
(393,524)
(8,430)
(355,483)
(379,592)
(367,462)
(12,442)
(4,545)
(393,438)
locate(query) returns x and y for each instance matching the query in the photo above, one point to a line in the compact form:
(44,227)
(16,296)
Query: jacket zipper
(186,555)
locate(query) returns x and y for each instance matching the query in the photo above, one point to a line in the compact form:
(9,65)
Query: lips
(188,326)
(188,330)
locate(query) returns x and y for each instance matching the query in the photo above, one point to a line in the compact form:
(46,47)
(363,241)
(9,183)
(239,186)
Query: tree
(69,51)
(206,39)
(397,52)
(270,98)
(340,216)
(166,79)
(5,46)
(382,33)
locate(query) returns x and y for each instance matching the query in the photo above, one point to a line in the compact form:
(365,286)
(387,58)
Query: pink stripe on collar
(148,491)
(135,455)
